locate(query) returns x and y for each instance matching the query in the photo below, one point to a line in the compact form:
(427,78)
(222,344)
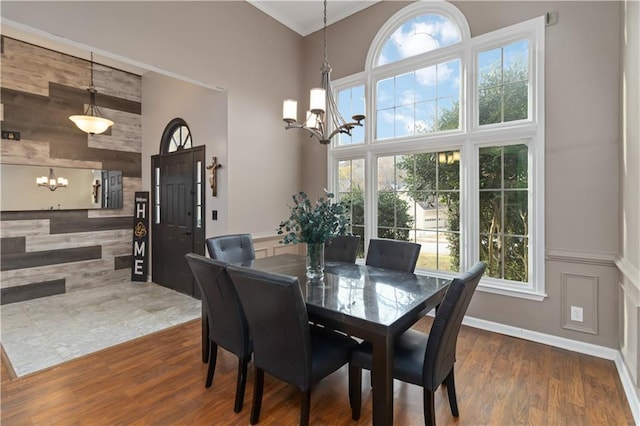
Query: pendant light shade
(91,122)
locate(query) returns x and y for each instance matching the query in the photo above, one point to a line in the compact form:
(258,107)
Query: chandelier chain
(324,33)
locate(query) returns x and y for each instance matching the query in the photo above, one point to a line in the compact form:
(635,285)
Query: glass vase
(315,260)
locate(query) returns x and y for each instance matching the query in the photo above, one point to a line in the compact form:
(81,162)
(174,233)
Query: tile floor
(40,333)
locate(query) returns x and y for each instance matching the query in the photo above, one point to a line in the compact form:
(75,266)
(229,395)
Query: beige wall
(629,255)
(205,112)
(227,44)
(582,141)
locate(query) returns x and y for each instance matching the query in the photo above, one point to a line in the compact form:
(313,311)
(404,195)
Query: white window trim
(468,139)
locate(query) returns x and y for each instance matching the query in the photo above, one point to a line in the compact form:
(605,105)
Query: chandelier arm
(311,130)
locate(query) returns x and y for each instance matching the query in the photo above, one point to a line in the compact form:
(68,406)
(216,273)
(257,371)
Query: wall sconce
(52,182)
(449,157)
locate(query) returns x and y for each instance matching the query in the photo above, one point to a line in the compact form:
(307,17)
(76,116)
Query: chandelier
(321,104)
(52,182)
(91,122)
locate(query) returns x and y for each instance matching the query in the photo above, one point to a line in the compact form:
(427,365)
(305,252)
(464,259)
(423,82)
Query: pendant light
(91,122)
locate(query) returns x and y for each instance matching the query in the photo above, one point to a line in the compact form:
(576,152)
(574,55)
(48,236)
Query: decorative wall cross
(96,190)
(213,175)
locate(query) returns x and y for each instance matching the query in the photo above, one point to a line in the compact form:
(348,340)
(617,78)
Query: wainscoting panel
(270,246)
(49,251)
(580,291)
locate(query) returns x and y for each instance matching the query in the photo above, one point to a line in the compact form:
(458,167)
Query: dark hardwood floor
(159,380)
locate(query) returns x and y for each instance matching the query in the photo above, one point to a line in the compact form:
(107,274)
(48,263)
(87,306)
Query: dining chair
(285,345)
(232,248)
(423,359)
(227,324)
(393,254)
(342,248)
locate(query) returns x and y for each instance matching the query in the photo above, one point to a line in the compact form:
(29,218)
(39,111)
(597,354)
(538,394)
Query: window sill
(521,294)
(489,287)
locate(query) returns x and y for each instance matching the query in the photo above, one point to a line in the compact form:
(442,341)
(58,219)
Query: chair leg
(205,336)
(451,391)
(213,356)
(429,408)
(305,407)
(355,390)
(257,396)
(242,381)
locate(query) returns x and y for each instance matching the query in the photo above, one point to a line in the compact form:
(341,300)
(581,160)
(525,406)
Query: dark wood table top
(365,294)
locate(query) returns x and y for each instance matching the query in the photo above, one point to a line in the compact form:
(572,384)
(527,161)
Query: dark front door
(178,226)
(112,189)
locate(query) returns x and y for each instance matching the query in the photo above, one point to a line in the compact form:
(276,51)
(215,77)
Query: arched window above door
(176,137)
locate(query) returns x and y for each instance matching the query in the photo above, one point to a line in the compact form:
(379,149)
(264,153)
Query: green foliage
(504,225)
(394,220)
(314,224)
(393,217)
(503,94)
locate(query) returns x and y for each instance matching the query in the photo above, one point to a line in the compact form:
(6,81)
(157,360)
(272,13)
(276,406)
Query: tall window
(452,155)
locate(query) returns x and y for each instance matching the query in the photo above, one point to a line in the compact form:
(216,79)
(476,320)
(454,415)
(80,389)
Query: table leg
(382,381)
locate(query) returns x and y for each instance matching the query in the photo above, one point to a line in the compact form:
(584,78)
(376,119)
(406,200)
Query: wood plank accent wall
(48,252)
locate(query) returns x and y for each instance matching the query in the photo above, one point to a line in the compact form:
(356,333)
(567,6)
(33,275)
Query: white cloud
(427,76)
(382,59)
(430,76)
(419,37)
(408,97)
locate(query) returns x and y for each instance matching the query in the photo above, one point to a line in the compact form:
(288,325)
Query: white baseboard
(573,345)
(629,389)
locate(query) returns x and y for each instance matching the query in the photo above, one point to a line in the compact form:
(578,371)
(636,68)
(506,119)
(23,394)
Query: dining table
(371,303)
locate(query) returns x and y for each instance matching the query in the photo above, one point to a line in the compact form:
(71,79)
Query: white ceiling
(306,16)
